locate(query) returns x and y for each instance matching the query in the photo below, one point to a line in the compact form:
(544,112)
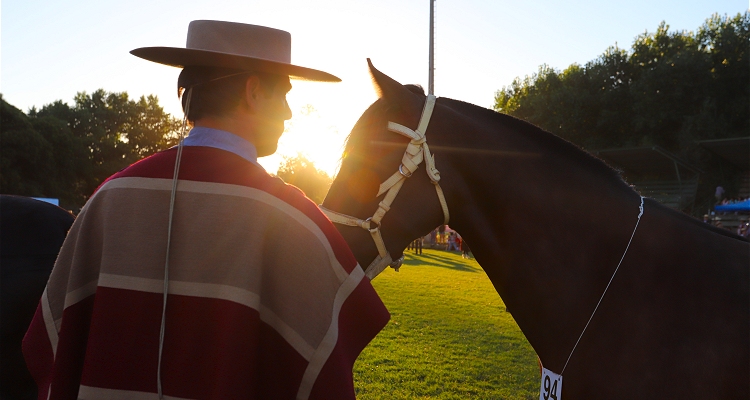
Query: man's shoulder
(197,163)
(217,167)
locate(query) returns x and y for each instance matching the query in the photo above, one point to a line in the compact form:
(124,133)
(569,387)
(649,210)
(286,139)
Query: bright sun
(319,138)
(322,117)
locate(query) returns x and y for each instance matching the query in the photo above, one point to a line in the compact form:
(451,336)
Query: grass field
(449,337)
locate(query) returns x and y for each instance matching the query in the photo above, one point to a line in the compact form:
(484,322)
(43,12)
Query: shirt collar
(216,138)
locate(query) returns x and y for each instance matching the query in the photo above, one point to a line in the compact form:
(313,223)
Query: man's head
(249,104)
(252,104)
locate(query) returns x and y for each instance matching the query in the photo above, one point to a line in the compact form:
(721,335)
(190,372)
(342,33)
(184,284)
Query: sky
(50,50)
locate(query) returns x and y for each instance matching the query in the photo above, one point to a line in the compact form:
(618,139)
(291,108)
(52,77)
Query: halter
(416,152)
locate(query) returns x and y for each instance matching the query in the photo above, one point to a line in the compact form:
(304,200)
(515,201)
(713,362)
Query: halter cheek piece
(416,152)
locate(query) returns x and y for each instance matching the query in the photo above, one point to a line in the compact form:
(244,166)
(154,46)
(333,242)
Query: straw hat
(237,46)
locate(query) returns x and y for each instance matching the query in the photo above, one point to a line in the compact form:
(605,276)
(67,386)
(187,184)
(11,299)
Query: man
(452,242)
(247,315)
(719,194)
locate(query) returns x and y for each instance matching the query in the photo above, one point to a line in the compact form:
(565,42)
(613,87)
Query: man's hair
(218,91)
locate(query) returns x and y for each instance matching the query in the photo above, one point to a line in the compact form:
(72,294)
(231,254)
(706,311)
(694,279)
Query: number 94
(550,389)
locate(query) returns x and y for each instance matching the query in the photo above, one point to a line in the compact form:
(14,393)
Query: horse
(622,296)
(31,234)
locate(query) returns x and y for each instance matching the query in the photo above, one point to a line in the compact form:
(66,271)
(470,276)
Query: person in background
(417,245)
(742,229)
(465,252)
(452,242)
(719,194)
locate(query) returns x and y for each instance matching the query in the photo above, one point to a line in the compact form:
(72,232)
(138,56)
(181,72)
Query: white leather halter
(416,152)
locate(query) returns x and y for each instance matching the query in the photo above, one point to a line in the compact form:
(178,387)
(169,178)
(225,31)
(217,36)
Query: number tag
(551,386)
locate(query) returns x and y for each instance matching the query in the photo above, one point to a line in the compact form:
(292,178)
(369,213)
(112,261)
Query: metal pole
(431,79)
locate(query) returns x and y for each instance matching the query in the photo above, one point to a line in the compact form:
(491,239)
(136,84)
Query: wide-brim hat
(236,46)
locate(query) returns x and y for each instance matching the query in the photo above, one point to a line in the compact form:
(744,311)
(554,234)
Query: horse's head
(371,193)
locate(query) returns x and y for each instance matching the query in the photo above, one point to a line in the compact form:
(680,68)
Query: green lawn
(449,337)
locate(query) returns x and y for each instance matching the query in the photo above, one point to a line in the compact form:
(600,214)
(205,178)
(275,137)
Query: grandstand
(657,173)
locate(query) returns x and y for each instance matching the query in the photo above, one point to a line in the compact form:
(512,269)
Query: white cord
(188,92)
(169,241)
(605,289)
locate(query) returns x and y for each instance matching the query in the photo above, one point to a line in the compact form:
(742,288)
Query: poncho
(265,298)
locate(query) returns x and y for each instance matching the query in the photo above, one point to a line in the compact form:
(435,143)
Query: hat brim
(181,57)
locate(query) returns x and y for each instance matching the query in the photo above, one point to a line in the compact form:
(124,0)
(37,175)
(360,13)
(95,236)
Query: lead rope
(169,241)
(605,289)
(188,92)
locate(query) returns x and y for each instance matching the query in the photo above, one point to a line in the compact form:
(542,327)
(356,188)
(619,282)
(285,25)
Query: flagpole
(431,79)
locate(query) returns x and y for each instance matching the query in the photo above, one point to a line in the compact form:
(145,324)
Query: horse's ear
(387,88)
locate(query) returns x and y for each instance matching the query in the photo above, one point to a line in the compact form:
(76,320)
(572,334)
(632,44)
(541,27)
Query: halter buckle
(376,228)
(401,171)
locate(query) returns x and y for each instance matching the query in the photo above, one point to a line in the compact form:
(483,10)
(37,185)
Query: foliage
(66,151)
(449,337)
(670,89)
(301,172)
(25,153)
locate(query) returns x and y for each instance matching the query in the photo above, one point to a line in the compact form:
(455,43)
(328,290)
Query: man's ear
(252,92)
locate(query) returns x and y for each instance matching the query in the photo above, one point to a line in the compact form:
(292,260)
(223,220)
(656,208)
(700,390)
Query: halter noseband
(416,152)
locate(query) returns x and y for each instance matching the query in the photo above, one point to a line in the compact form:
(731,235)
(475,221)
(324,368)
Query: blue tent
(741,206)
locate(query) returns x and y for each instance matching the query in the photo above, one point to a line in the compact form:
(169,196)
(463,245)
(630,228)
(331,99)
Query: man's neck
(229,124)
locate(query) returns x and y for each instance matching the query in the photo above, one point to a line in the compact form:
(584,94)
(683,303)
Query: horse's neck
(546,228)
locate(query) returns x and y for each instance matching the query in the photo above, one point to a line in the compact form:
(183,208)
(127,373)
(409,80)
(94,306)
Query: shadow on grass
(438,260)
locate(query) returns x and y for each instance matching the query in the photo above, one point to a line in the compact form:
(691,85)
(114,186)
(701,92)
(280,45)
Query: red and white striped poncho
(265,298)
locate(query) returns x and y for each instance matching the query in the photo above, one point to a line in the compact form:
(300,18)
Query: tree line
(65,152)
(670,89)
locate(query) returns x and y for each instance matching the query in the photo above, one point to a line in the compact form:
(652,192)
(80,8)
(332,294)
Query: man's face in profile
(273,110)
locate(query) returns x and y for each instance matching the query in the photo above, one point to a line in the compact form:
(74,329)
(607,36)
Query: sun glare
(309,133)
(322,117)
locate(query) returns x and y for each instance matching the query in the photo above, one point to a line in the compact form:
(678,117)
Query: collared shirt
(209,137)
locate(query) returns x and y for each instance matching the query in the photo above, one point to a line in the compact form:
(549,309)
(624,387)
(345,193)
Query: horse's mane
(546,139)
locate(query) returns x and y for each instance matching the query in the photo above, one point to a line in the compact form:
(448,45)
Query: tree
(66,152)
(726,42)
(24,164)
(115,130)
(670,89)
(301,172)
(70,170)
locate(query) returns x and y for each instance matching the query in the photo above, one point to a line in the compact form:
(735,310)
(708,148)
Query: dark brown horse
(31,234)
(549,224)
